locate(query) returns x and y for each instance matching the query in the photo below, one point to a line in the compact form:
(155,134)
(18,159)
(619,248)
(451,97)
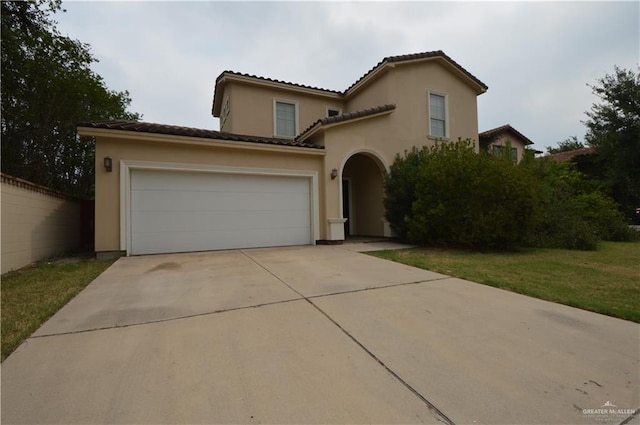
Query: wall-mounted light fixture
(334,174)
(108,164)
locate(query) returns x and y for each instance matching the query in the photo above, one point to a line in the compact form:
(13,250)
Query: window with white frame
(437,115)
(285,119)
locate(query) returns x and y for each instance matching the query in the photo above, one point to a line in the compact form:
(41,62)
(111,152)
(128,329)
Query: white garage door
(185,211)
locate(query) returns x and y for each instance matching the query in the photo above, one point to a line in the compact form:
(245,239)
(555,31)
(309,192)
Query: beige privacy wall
(36,223)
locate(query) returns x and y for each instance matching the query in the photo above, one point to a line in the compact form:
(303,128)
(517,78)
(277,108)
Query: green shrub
(602,213)
(400,187)
(460,198)
(450,195)
(572,213)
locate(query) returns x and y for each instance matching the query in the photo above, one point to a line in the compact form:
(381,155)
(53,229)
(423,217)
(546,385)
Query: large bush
(459,198)
(450,195)
(572,212)
(400,188)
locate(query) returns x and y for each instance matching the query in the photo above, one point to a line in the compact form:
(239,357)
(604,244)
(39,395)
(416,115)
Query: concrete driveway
(318,334)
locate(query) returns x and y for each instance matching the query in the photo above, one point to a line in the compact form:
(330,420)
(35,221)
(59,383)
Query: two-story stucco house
(291,164)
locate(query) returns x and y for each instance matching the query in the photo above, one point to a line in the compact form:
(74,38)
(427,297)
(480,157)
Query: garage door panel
(154,243)
(154,200)
(223,182)
(194,221)
(185,211)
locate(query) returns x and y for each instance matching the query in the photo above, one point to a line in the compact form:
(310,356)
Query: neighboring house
(291,164)
(496,140)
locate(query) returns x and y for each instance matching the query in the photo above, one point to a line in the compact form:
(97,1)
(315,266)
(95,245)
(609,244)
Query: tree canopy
(613,129)
(570,144)
(48,86)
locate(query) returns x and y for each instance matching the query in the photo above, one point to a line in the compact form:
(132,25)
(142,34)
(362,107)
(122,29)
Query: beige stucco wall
(180,151)
(252,108)
(371,94)
(35,225)
(407,85)
(409,91)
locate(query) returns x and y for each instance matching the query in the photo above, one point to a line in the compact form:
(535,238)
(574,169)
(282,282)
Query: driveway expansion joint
(440,416)
(373,288)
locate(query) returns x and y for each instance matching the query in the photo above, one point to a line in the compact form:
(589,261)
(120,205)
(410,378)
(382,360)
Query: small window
(333,112)
(499,150)
(437,115)
(285,119)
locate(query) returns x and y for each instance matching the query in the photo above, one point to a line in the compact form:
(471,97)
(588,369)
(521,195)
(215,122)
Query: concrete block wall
(36,223)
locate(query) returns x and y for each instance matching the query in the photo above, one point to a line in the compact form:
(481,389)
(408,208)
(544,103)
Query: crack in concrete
(168,319)
(636,414)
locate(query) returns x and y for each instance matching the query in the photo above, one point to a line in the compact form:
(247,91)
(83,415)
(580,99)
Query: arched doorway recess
(362,195)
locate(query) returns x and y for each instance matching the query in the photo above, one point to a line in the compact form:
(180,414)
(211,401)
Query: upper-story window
(332,112)
(437,115)
(285,118)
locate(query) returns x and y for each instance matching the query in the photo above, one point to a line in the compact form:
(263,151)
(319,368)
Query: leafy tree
(613,129)
(571,211)
(570,144)
(47,88)
(400,189)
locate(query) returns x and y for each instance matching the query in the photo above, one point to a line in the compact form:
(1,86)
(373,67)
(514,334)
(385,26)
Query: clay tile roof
(418,56)
(569,155)
(502,130)
(173,130)
(272,80)
(347,117)
(389,59)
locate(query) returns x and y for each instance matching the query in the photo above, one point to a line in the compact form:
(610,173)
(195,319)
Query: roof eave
(217,99)
(478,86)
(190,140)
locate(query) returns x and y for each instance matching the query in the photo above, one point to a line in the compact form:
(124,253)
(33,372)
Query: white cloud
(536,57)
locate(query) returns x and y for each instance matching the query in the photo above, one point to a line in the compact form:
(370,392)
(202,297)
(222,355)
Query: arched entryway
(363,194)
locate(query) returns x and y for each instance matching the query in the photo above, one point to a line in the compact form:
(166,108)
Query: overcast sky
(537,58)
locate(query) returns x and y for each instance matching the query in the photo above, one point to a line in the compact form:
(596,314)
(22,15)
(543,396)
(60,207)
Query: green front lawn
(33,294)
(606,281)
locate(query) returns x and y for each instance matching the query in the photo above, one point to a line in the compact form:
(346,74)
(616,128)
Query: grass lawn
(606,281)
(33,294)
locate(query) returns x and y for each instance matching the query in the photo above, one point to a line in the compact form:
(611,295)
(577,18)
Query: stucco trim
(296,111)
(447,132)
(364,150)
(126,166)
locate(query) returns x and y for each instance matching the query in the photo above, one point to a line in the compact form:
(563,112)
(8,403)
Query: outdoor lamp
(334,174)
(108,164)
